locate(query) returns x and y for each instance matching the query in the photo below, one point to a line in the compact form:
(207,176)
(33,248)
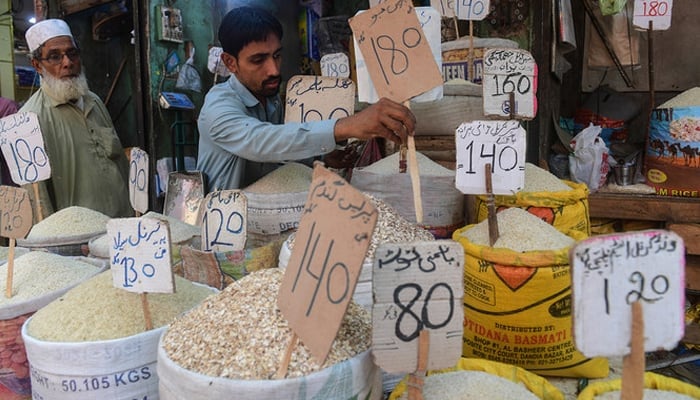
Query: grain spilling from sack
(541,180)
(67,222)
(426,167)
(37,273)
(391,228)
(472,385)
(96,310)
(289,178)
(241,334)
(649,394)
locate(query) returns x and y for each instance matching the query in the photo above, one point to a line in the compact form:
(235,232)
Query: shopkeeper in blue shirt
(242,131)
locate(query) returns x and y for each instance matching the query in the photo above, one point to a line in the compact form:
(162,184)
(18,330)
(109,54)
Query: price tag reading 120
(657,11)
(334,234)
(138,179)
(224,221)
(417,286)
(499,143)
(610,272)
(23,147)
(140,256)
(509,71)
(317,98)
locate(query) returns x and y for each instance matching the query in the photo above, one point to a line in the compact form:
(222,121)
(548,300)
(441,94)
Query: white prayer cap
(44,30)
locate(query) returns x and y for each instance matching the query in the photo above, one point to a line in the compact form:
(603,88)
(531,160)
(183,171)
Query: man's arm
(386,119)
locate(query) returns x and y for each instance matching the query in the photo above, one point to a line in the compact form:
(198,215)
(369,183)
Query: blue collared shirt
(240,140)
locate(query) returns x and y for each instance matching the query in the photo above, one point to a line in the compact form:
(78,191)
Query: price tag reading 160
(499,143)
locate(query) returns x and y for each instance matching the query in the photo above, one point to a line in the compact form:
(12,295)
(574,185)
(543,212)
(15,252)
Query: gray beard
(64,90)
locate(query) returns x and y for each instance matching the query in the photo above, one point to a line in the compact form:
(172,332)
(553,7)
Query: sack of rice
(67,231)
(472,378)
(672,162)
(231,345)
(562,204)
(276,201)
(517,297)
(91,343)
(443,204)
(38,278)
(656,387)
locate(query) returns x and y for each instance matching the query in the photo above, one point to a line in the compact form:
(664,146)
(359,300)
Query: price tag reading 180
(138,179)
(417,286)
(499,143)
(610,272)
(657,11)
(140,256)
(509,71)
(336,65)
(23,147)
(224,221)
(334,234)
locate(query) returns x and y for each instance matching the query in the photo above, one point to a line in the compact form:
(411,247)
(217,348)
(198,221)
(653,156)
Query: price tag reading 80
(138,179)
(509,71)
(499,143)
(475,10)
(317,98)
(335,65)
(417,286)
(610,272)
(224,221)
(140,256)
(658,12)
(22,145)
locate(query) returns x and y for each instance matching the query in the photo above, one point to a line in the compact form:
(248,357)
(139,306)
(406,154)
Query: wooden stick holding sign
(141,258)
(417,313)
(491,206)
(22,146)
(15,222)
(400,62)
(619,281)
(325,263)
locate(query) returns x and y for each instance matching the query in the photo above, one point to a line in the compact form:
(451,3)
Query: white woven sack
(274,213)
(356,378)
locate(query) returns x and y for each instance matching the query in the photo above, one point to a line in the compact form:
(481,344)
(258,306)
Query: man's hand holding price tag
(224,221)
(138,180)
(317,98)
(417,287)
(325,263)
(498,143)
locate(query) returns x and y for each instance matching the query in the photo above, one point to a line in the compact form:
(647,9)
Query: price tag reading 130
(610,272)
(23,147)
(417,286)
(224,221)
(334,234)
(140,256)
(499,143)
(509,71)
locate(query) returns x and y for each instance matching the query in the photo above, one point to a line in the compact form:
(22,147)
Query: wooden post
(10,268)
(146,311)
(417,379)
(286,357)
(633,364)
(491,207)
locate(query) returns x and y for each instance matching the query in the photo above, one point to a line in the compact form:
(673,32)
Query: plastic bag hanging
(188,78)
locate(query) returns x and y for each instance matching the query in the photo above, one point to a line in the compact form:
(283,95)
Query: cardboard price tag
(335,65)
(417,286)
(509,71)
(224,221)
(658,12)
(317,98)
(610,273)
(138,180)
(16,209)
(395,50)
(23,148)
(499,143)
(140,255)
(334,233)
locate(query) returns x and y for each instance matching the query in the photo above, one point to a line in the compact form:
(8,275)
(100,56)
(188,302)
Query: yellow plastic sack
(651,381)
(517,310)
(539,386)
(565,210)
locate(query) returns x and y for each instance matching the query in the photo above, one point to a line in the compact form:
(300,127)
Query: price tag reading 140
(140,256)
(417,286)
(23,147)
(610,272)
(499,143)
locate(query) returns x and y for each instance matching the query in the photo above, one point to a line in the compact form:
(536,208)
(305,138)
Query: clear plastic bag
(188,77)
(589,161)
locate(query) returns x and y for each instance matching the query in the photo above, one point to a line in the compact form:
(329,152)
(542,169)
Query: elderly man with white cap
(88,165)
